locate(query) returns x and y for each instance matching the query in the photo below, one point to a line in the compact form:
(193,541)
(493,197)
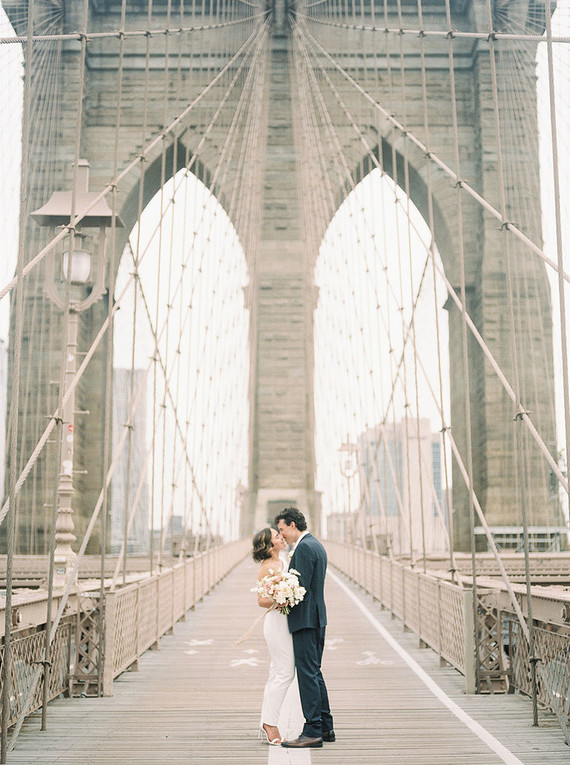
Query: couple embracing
(296,640)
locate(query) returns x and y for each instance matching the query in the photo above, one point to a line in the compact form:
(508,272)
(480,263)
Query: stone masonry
(282,296)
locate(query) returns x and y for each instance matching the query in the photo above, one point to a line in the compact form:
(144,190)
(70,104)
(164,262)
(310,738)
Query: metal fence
(137,615)
(27,652)
(440,613)
(88,651)
(552,652)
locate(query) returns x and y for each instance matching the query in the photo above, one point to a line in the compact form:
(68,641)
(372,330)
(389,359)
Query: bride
(267,546)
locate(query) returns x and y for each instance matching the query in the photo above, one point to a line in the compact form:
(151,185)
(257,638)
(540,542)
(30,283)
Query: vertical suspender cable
(516,382)
(463,292)
(412,318)
(401,184)
(166,87)
(519,444)
(170,173)
(177,102)
(109,393)
(432,245)
(19,318)
(140,207)
(521,112)
(557,213)
(44,66)
(14,401)
(61,391)
(485,205)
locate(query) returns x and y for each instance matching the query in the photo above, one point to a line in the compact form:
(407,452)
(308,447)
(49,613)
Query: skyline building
(399,492)
(138,537)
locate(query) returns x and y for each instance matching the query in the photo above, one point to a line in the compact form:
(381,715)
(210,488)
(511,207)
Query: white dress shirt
(301,535)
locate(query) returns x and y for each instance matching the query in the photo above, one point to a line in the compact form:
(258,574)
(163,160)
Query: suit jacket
(310,560)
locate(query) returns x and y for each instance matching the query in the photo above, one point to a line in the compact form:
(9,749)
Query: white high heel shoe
(265,738)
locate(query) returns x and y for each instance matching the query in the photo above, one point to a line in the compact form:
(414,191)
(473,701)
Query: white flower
(286,592)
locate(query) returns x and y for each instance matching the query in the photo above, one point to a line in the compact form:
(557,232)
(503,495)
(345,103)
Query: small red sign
(70,427)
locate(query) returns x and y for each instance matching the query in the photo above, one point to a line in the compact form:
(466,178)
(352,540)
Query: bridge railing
(137,615)
(440,613)
(100,640)
(27,651)
(552,652)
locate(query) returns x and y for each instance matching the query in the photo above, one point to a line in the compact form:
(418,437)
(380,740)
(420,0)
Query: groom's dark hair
(291,514)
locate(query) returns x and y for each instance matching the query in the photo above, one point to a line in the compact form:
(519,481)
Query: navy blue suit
(307,622)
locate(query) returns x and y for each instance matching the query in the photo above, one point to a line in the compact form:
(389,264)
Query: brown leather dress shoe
(303,742)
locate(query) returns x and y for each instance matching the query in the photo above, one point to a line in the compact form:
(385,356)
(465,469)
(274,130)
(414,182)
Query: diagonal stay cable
(167,374)
(397,32)
(451,291)
(57,414)
(124,34)
(462,184)
(478,508)
(520,409)
(409,327)
(318,99)
(250,42)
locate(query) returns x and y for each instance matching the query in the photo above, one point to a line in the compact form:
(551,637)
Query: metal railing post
(108,654)
(419,608)
(404,609)
(157,622)
(185,593)
(469,642)
(173,599)
(138,622)
(392,588)
(439,625)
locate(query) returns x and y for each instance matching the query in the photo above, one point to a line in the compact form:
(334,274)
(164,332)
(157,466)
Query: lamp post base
(63,565)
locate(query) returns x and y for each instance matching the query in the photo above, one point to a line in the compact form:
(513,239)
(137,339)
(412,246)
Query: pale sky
(209,378)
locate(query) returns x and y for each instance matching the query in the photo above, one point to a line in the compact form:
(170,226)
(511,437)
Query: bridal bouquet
(283,589)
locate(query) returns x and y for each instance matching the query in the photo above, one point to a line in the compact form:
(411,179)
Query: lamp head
(78,208)
(79,271)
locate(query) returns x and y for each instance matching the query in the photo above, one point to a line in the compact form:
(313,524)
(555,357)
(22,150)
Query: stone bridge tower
(282,295)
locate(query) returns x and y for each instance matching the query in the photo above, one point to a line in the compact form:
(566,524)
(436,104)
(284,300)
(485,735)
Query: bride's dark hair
(262,545)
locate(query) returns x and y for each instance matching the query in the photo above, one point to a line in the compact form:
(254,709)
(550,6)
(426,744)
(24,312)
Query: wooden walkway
(197,699)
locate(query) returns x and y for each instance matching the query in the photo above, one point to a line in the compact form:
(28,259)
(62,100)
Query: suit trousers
(308,645)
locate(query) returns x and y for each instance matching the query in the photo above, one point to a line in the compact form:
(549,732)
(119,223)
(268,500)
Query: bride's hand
(264,602)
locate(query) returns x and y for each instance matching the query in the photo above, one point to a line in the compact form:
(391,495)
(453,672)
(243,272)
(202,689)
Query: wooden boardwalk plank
(197,700)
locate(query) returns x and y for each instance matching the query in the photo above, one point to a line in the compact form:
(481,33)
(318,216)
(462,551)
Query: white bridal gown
(282,663)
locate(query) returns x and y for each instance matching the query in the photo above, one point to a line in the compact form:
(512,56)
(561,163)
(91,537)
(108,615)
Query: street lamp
(75,280)
(348,454)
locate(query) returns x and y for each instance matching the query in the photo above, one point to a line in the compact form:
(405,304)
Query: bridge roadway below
(197,698)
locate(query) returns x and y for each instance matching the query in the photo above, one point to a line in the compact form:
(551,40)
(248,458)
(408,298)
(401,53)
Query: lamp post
(241,501)
(75,280)
(348,454)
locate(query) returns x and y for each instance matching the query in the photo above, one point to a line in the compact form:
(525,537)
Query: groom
(307,622)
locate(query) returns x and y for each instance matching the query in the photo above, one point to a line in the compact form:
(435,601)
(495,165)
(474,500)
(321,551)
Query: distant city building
(138,538)
(396,488)
(3,404)
(173,535)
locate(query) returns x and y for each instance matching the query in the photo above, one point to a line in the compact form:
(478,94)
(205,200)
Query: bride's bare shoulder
(266,569)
